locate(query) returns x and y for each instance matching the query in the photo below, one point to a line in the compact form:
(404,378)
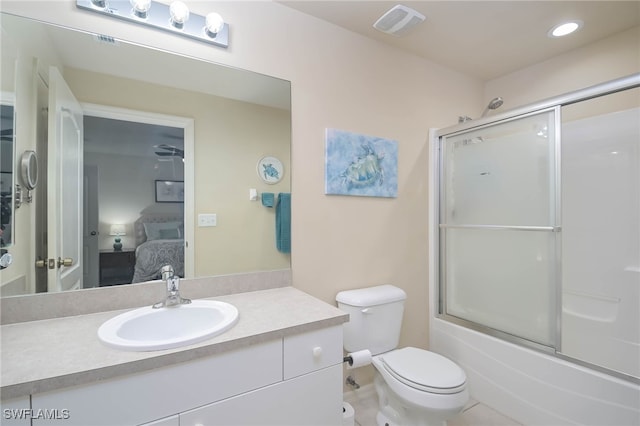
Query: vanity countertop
(40,356)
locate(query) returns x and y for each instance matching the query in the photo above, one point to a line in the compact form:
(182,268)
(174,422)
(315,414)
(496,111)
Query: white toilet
(414,386)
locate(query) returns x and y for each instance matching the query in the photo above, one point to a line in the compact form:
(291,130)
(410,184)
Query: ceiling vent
(398,20)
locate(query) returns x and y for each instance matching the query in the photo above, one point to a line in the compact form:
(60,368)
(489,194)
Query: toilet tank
(375,318)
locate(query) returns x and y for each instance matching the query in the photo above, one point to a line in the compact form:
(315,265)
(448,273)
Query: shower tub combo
(535,256)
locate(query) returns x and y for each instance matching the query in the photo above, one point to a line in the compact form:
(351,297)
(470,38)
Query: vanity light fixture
(175,17)
(565,28)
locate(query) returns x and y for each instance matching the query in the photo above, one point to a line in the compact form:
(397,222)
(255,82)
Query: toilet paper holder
(357,359)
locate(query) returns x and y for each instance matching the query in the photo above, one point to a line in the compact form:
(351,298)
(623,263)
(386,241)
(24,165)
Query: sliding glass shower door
(498,220)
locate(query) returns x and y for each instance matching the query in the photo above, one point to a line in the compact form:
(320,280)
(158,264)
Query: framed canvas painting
(360,165)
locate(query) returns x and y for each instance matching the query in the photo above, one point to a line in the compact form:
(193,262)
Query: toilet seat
(424,370)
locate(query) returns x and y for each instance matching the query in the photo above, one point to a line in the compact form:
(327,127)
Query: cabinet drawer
(312,351)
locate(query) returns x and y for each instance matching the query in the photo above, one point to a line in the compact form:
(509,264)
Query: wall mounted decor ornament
(270,170)
(360,165)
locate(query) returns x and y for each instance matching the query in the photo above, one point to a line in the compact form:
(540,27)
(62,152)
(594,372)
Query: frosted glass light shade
(179,13)
(213,23)
(141,7)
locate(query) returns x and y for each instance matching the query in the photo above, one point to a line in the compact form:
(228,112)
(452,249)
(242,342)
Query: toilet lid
(425,370)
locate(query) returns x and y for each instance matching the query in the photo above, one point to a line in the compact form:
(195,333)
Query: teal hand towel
(267,199)
(283,223)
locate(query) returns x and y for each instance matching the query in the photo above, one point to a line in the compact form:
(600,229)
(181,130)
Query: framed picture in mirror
(169,191)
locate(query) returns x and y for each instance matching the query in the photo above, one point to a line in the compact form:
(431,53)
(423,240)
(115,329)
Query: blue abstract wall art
(360,165)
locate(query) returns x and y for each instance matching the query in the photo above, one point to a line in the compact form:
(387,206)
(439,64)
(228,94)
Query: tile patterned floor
(365,404)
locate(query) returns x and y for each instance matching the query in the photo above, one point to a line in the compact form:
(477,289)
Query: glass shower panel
(503,280)
(501,174)
(601,231)
(497,221)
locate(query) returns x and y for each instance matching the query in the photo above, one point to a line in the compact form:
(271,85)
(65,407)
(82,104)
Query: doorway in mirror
(128,229)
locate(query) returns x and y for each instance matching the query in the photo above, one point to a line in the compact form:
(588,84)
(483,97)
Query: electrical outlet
(210,219)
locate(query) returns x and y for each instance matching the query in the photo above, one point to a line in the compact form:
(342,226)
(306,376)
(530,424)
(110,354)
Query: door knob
(94,233)
(67,261)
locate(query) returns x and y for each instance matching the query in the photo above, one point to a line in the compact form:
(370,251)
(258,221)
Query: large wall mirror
(141,147)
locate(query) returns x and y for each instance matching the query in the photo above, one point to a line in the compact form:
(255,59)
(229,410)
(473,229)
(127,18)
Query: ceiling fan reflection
(168,151)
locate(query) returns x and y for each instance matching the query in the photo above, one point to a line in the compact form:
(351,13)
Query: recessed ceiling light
(565,28)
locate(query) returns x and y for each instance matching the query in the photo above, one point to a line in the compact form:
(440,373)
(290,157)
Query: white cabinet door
(311,399)
(144,397)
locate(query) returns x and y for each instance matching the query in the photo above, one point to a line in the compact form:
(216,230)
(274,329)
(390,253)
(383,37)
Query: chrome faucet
(173,289)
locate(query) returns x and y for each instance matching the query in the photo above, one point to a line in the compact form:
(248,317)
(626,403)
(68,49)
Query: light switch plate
(209,219)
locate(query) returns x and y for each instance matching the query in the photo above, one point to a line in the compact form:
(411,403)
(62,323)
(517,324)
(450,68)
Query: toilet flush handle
(366,311)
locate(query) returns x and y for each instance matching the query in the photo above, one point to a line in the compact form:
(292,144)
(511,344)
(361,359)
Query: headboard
(138,225)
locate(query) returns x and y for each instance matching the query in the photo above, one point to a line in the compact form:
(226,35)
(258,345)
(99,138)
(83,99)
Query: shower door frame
(437,137)
(554,228)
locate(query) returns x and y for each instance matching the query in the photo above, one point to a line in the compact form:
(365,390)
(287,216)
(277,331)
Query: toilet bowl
(418,387)
(415,387)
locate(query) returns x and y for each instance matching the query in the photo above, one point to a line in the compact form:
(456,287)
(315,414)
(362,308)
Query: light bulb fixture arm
(159,16)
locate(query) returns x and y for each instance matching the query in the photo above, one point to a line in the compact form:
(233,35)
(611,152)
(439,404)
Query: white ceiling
(485,39)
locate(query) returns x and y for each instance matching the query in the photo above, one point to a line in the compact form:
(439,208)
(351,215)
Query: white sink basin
(148,329)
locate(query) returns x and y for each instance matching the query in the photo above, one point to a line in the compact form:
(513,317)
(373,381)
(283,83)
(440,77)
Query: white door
(64,175)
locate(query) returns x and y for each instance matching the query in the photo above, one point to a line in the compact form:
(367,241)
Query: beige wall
(613,57)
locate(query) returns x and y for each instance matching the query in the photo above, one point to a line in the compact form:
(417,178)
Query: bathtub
(532,387)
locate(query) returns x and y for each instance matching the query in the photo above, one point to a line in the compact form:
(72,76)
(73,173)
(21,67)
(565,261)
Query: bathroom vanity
(280,364)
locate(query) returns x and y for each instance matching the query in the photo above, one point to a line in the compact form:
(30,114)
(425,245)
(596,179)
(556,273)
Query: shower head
(494,104)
